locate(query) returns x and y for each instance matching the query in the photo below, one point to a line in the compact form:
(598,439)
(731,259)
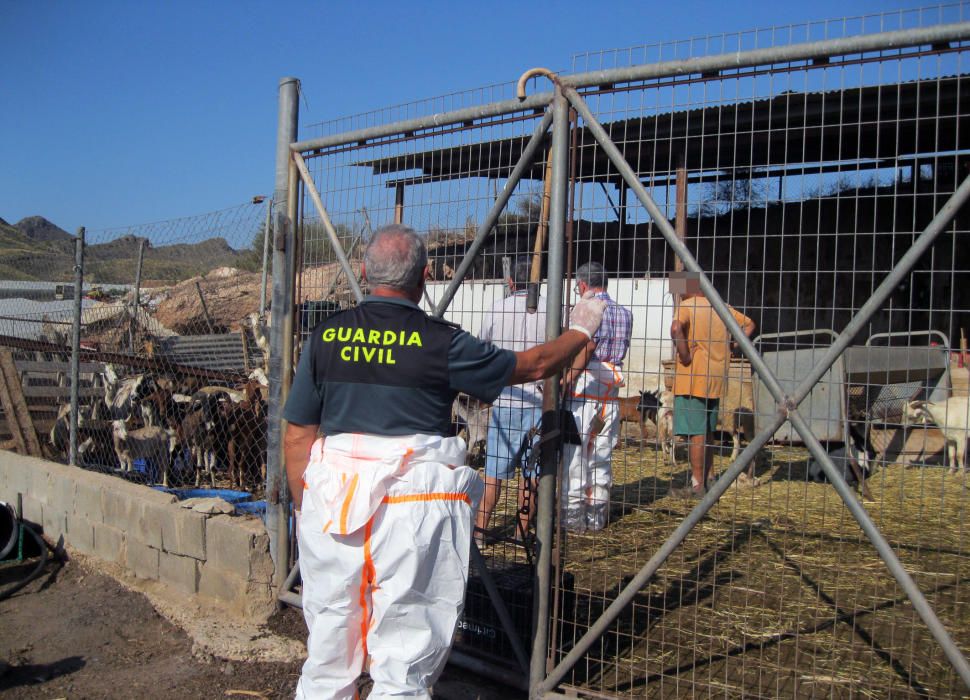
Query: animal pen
(816,177)
(150,345)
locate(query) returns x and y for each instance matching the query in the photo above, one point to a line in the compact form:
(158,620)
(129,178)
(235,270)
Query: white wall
(648,299)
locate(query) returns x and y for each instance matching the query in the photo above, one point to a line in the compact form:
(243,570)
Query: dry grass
(776,592)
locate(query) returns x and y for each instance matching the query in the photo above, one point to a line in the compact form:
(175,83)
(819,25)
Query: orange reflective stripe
(604,398)
(345,508)
(367,578)
(327,526)
(617,377)
(419,497)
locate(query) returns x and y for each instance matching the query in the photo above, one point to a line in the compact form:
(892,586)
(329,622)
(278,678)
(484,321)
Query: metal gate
(811,185)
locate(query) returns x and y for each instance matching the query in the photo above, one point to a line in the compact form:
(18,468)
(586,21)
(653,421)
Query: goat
(95,444)
(639,409)
(471,416)
(61,429)
(858,449)
(665,426)
(198,433)
(953,419)
(123,396)
(161,408)
(153,444)
(88,427)
(741,424)
(261,334)
(259,376)
(246,430)
(235,395)
(179,385)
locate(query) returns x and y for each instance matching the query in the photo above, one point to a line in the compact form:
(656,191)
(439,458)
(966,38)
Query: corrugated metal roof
(227,351)
(785,129)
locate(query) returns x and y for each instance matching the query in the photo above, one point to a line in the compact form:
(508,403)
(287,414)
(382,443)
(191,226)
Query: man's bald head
(395,258)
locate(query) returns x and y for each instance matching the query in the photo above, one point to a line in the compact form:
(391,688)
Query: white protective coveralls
(587,472)
(384,538)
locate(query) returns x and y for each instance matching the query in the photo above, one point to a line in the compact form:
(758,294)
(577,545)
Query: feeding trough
(868,385)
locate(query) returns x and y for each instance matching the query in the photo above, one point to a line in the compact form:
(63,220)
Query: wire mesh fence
(173,351)
(798,186)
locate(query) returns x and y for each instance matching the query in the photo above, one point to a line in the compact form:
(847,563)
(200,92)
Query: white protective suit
(587,472)
(384,539)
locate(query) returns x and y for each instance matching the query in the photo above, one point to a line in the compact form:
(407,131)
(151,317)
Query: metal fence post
(277,511)
(135,300)
(267,233)
(546,514)
(76,341)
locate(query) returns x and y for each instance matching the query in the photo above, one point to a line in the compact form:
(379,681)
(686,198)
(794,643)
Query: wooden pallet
(44,386)
(20,425)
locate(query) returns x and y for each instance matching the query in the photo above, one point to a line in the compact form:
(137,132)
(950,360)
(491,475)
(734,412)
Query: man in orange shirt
(703,349)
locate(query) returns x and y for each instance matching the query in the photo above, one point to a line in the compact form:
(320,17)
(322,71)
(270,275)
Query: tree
(737,193)
(317,247)
(251,259)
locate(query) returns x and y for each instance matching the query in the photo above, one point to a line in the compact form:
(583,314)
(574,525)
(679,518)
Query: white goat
(261,334)
(121,396)
(153,444)
(471,415)
(952,417)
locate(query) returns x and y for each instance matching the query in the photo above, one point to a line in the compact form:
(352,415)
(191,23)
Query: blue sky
(120,113)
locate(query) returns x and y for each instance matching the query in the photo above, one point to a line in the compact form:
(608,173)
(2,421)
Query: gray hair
(395,257)
(521,272)
(593,274)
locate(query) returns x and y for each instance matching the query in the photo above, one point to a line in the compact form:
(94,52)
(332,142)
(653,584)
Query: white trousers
(587,469)
(384,539)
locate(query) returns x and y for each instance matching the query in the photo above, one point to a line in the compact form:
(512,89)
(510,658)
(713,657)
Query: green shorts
(694,415)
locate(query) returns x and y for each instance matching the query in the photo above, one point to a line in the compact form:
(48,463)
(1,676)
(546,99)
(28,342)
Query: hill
(36,249)
(37,228)
(23,257)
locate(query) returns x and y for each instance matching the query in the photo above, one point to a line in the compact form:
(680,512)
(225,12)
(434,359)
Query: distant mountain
(24,258)
(36,249)
(116,261)
(38,228)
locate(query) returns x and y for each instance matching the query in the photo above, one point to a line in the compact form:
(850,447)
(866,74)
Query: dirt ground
(76,632)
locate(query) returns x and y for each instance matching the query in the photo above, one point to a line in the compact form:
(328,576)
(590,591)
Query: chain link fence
(173,352)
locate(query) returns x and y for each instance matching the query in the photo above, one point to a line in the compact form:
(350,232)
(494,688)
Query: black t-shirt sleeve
(305,402)
(478,368)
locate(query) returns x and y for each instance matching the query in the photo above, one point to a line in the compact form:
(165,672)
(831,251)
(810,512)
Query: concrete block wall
(222,560)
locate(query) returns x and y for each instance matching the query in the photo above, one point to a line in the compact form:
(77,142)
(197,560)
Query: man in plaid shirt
(592,388)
